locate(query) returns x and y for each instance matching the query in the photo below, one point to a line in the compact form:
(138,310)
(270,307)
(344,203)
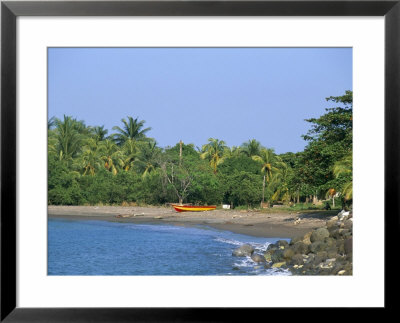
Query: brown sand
(270,224)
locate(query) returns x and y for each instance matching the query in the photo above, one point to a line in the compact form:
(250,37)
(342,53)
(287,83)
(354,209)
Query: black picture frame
(10,10)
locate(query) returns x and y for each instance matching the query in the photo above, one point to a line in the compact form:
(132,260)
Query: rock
(348,246)
(267,256)
(321,256)
(330,242)
(345,233)
(288,253)
(272,246)
(297,260)
(335,233)
(257,258)
(277,256)
(317,246)
(245,250)
(319,234)
(332,221)
(300,248)
(296,239)
(331,252)
(282,243)
(278,264)
(306,238)
(340,246)
(348,224)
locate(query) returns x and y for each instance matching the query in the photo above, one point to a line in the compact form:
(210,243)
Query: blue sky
(192,94)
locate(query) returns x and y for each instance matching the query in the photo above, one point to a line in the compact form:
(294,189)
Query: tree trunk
(263,191)
(333,200)
(180,201)
(180,153)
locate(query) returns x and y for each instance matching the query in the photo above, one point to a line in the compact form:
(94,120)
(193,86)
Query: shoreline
(285,225)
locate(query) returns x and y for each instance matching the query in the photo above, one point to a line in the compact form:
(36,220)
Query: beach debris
(123,216)
(297,221)
(158,217)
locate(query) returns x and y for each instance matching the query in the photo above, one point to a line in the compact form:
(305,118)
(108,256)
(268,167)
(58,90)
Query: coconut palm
(251,148)
(89,159)
(110,155)
(68,138)
(269,165)
(133,130)
(51,123)
(214,152)
(279,183)
(129,154)
(234,151)
(99,133)
(147,156)
(345,167)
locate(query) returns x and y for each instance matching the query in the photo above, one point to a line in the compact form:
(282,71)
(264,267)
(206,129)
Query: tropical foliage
(88,166)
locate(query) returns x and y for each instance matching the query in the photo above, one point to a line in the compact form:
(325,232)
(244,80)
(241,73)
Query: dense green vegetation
(88,166)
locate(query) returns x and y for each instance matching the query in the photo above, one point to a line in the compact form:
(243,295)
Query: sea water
(86,247)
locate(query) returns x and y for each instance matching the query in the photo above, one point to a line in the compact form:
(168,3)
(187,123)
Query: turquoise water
(108,248)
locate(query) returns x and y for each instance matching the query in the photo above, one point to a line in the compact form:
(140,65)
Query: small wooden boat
(193,208)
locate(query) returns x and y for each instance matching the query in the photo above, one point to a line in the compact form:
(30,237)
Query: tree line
(86,165)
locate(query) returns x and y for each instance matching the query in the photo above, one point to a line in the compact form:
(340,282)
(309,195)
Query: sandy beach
(269,224)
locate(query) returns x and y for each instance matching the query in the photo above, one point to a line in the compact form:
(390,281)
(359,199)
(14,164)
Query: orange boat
(193,208)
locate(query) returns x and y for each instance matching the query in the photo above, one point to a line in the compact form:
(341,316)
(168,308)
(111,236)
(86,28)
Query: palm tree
(214,152)
(68,138)
(269,165)
(280,183)
(129,154)
(89,159)
(345,167)
(234,151)
(146,159)
(133,130)
(99,133)
(251,148)
(110,155)
(51,123)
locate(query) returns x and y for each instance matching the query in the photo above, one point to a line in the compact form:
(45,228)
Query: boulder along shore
(327,250)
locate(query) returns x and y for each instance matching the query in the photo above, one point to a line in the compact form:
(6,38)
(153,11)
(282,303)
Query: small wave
(257,245)
(229,241)
(252,268)
(244,262)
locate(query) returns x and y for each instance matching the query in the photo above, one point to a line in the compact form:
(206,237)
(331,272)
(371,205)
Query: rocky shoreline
(327,250)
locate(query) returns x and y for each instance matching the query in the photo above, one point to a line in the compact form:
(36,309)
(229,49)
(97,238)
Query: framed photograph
(183,160)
